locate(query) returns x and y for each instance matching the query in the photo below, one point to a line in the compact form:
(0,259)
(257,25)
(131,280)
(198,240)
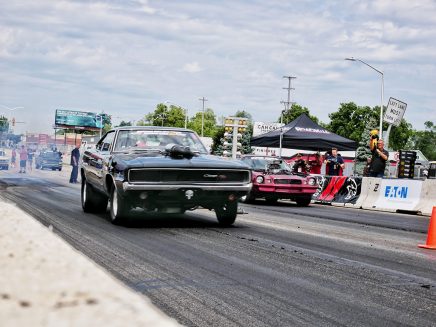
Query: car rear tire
(92,201)
(119,210)
(226,214)
(303,202)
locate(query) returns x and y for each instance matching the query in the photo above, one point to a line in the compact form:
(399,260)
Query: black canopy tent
(304,134)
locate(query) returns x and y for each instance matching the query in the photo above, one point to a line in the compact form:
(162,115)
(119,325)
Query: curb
(46,282)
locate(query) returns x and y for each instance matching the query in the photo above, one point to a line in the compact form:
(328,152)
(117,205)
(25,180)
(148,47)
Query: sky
(123,57)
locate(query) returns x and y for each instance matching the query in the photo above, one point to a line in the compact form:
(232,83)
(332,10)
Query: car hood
(158,160)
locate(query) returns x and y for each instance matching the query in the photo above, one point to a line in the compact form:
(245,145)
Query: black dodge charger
(160,169)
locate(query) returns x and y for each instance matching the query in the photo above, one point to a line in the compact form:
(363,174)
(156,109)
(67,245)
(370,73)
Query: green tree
(218,140)
(294,112)
(159,116)
(125,123)
(351,120)
(363,151)
(400,135)
(424,141)
(209,127)
(163,115)
(4,124)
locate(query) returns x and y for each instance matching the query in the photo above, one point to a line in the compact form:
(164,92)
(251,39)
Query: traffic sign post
(393,115)
(394,111)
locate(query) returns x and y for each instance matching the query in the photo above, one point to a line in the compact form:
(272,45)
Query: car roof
(152,128)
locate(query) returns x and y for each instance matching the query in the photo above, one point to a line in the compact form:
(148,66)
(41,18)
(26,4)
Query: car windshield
(131,140)
(272,164)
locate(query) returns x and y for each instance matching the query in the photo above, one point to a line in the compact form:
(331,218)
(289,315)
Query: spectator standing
(379,158)
(30,155)
(299,165)
(13,157)
(315,165)
(75,156)
(23,159)
(334,163)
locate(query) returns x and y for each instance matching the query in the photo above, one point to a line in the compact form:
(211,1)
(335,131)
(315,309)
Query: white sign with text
(262,128)
(394,111)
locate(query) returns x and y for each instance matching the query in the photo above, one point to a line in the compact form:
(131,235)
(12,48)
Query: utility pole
(289,88)
(202,116)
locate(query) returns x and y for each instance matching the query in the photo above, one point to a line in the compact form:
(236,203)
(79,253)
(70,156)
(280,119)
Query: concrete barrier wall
(378,194)
(373,191)
(362,195)
(428,197)
(398,194)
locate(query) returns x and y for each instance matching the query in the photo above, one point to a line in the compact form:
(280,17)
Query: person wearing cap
(334,163)
(299,165)
(379,158)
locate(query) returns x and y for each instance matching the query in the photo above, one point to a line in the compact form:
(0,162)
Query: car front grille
(180,176)
(288,181)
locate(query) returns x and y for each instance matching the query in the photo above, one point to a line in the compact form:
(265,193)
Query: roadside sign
(394,111)
(261,127)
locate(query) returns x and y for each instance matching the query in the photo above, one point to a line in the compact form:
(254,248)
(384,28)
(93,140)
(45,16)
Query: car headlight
(260,179)
(311,181)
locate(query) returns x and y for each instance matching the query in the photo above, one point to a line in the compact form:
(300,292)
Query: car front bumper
(172,187)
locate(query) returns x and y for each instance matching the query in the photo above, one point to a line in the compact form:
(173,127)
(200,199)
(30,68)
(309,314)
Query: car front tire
(91,200)
(303,202)
(271,199)
(118,209)
(226,214)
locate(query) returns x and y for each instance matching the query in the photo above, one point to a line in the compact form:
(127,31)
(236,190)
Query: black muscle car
(159,169)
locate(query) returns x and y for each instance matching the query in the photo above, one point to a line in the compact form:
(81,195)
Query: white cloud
(192,67)
(133,55)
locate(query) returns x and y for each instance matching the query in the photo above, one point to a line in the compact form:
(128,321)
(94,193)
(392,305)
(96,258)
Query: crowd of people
(335,164)
(25,158)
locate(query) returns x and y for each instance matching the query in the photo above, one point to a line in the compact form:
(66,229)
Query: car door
(95,162)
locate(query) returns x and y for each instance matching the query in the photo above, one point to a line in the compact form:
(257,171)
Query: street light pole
(202,116)
(382,90)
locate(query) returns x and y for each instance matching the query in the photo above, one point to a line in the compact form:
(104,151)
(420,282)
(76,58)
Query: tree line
(349,120)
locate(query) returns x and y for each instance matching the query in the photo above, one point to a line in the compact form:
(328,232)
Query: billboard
(77,119)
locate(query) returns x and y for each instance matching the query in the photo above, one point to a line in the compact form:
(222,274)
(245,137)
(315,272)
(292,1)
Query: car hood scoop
(178,151)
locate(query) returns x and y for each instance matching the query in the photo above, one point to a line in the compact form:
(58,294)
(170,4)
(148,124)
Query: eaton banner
(399,194)
(77,119)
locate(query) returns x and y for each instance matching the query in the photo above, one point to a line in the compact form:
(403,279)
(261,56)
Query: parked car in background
(4,160)
(49,160)
(273,179)
(159,169)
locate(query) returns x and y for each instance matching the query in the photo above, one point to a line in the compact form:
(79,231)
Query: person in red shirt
(315,165)
(23,159)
